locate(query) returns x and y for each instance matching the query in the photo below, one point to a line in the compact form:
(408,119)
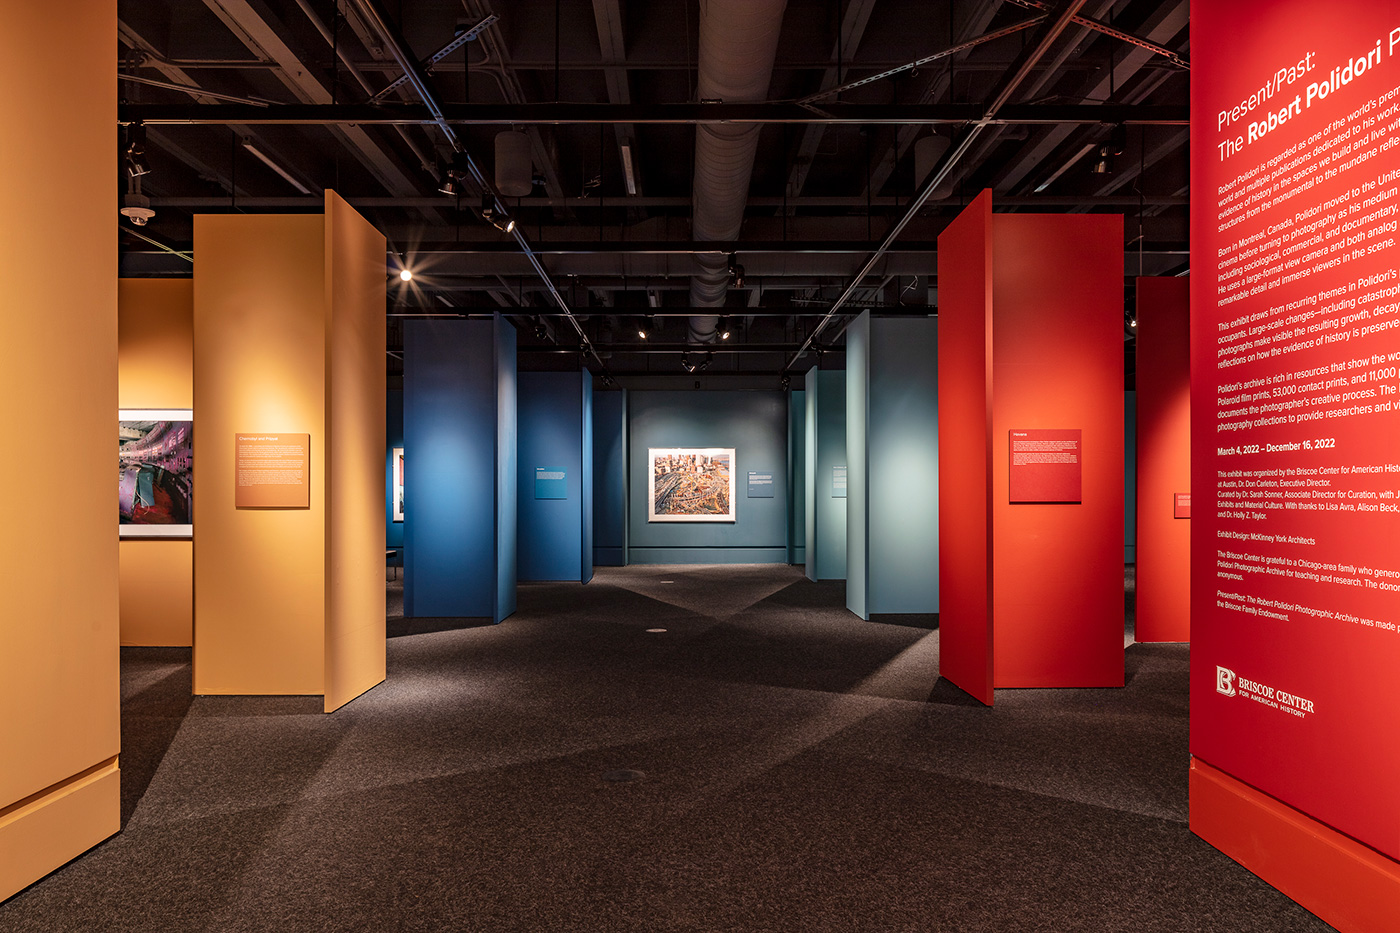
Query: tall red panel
(1295,549)
(1163,459)
(965,449)
(1030,339)
(1057,363)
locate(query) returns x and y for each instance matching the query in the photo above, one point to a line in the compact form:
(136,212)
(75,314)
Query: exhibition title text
(1269,107)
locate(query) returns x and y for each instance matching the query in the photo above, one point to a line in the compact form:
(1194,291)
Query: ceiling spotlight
(724,328)
(705,363)
(406,275)
(647,326)
(736,271)
(137,208)
(450,185)
(785,382)
(1104,166)
(136,164)
(1132,322)
(686,364)
(541,332)
(496,216)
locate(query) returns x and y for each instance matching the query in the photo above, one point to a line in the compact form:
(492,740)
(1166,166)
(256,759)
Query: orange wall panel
(259,364)
(355,298)
(1163,458)
(964,450)
(1057,362)
(155,369)
(58,634)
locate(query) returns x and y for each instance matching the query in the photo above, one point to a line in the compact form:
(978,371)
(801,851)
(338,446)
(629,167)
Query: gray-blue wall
(610,478)
(892,443)
(826,449)
(797,477)
(755,425)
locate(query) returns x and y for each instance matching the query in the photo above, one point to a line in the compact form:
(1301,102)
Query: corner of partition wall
(507,482)
(964,452)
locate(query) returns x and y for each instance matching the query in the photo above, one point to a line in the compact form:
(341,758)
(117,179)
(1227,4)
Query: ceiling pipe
(376,19)
(1044,40)
(738,46)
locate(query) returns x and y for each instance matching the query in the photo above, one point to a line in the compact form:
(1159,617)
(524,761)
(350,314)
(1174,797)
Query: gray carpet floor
(768,763)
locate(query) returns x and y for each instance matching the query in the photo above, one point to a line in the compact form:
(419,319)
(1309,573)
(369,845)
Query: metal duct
(738,43)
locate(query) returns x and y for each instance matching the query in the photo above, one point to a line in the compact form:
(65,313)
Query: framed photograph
(155,472)
(690,484)
(398,483)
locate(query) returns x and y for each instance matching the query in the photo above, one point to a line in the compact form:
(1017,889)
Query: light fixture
(724,327)
(1104,166)
(686,364)
(453,175)
(267,160)
(647,326)
(1132,322)
(136,164)
(137,208)
(785,382)
(496,218)
(406,275)
(736,271)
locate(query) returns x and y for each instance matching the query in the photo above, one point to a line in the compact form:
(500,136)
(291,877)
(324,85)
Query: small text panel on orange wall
(272,471)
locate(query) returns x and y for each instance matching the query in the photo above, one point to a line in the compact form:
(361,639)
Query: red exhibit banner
(1295,343)
(1044,465)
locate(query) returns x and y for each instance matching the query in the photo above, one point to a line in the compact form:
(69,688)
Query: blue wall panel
(585,544)
(826,450)
(393,437)
(455,443)
(755,425)
(797,477)
(553,423)
(858,366)
(610,478)
(902,467)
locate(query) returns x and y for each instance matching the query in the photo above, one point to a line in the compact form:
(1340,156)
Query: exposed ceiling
(805,182)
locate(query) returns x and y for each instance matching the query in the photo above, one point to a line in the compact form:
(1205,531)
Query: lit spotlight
(406,275)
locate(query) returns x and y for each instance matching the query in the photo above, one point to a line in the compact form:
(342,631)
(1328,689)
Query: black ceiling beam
(212,203)
(684,113)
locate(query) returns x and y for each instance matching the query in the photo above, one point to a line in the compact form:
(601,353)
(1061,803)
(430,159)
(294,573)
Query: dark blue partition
(459,446)
(555,519)
(797,477)
(610,478)
(755,425)
(826,470)
(892,440)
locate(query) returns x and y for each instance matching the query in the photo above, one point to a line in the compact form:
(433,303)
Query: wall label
(838,482)
(551,483)
(272,471)
(1045,465)
(760,485)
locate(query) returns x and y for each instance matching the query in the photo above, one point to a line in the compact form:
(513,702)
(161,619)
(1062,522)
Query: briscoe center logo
(1224,681)
(1228,683)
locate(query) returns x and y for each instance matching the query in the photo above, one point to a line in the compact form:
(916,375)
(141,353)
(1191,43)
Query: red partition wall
(1295,340)
(1030,339)
(1163,459)
(1057,363)
(965,566)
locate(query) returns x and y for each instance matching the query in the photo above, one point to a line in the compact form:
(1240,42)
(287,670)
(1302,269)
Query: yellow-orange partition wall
(155,369)
(289,339)
(59,734)
(355,498)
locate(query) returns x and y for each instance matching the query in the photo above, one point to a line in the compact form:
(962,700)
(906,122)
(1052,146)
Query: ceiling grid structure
(260,105)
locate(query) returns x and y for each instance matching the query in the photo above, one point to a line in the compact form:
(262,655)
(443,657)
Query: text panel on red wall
(1296,404)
